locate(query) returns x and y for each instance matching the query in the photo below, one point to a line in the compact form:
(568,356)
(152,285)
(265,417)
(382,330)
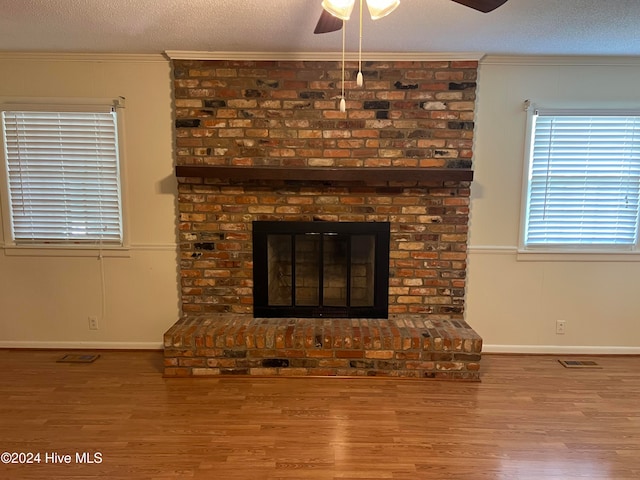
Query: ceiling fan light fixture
(339,8)
(381,8)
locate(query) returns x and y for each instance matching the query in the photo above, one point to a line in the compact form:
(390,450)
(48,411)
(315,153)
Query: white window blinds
(583,184)
(63,176)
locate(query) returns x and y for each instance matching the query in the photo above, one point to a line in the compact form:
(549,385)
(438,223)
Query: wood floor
(529,418)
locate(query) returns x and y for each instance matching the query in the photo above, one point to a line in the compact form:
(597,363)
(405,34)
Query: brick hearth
(402,346)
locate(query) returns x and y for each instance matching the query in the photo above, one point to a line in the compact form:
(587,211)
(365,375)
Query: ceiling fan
(331,22)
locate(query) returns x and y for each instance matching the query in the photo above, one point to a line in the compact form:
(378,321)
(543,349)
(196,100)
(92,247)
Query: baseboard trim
(561,349)
(83,345)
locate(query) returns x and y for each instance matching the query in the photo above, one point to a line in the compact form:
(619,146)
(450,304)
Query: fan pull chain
(343,103)
(359,79)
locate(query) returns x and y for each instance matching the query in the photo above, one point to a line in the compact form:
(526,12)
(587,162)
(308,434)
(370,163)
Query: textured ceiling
(542,27)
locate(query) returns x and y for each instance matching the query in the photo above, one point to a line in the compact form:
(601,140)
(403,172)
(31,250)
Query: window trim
(65,249)
(569,252)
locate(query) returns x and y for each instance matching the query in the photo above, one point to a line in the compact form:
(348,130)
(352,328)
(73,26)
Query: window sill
(65,251)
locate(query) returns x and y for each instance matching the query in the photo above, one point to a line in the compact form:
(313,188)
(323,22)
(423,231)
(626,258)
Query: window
(583,182)
(62,175)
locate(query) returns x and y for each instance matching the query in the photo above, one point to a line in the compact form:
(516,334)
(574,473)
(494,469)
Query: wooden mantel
(326,174)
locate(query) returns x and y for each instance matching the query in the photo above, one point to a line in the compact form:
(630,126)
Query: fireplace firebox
(321,269)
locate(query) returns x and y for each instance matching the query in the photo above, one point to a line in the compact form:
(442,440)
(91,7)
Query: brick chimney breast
(285,114)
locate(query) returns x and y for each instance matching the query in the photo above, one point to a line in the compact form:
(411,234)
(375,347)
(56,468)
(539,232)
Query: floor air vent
(78,358)
(579,364)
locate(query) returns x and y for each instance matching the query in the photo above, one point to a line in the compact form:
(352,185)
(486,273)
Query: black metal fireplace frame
(261,307)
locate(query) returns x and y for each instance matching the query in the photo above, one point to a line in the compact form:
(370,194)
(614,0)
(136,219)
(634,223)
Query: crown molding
(516,60)
(323,56)
(84,57)
(560,60)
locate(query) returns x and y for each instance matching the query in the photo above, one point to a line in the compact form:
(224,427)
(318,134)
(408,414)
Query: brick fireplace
(264,141)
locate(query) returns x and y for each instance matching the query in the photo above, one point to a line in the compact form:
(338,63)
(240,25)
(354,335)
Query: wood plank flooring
(529,418)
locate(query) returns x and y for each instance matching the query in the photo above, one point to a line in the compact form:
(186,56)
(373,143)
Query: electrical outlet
(560,327)
(93,323)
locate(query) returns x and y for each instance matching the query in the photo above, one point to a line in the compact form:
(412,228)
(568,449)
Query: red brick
(349,354)
(335,363)
(380,354)
(319,353)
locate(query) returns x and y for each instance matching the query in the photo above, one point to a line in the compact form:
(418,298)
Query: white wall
(514,302)
(46,301)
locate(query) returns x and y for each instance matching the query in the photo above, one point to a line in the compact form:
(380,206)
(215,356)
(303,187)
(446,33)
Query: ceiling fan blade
(484,6)
(328,23)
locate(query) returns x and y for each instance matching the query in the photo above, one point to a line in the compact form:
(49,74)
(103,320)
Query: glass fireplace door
(340,271)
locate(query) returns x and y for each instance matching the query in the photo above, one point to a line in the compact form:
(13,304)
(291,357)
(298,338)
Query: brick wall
(243,113)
